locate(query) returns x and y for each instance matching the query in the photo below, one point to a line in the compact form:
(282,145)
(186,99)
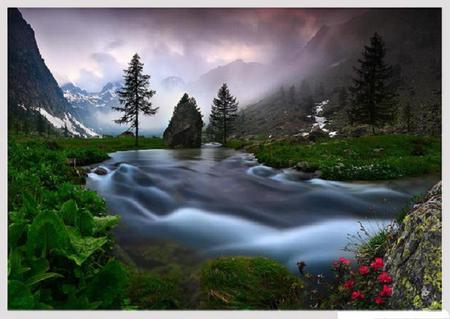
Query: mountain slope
(413,42)
(33,93)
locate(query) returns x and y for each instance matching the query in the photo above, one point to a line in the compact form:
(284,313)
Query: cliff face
(33,93)
(415,254)
(185,127)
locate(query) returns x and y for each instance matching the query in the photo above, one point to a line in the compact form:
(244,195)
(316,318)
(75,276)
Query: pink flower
(349,284)
(386,291)
(363,270)
(357,295)
(335,265)
(378,300)
(344,261)
(384,278)
(377,263)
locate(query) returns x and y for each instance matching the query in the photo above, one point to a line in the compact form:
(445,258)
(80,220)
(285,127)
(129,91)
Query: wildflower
(384,278)
(349,284)
(363,270)
(335,265)
(378,300)
(344,261)
(386,291)
(377,263)
(357,295)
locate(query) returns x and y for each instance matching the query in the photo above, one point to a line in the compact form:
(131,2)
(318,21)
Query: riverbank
(45,191)
(362,158)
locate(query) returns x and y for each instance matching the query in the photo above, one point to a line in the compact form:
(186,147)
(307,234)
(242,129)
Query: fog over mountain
(255,51)
(91,47)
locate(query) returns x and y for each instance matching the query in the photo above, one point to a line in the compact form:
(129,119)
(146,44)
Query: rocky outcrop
(414,256)
(185,127)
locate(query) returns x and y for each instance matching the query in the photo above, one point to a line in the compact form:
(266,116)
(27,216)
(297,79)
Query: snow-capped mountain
(33,93)
(94,107)
(81,99)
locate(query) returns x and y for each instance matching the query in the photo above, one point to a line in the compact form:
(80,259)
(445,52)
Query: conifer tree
(372,95)
(223,114)
(135,95)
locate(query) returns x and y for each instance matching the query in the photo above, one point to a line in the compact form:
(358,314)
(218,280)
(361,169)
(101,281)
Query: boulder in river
(101,171)
(185,126)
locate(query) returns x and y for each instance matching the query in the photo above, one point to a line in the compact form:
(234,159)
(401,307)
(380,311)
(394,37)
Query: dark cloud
(92,46)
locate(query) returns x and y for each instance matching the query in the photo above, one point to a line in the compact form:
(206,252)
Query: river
(219,201)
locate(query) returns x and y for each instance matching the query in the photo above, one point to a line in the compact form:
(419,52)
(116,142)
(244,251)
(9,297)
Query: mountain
(172,83)
(34,97)
(246,80)
(93,107)
(413,43)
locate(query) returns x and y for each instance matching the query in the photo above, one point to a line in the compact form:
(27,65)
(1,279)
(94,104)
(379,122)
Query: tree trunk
(224,138)
(136,143)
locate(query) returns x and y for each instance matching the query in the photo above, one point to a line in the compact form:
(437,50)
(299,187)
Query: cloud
(185,42)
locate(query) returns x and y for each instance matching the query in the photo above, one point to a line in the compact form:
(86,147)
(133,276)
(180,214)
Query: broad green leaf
(19,295)
(47,233)
(69,212)
(16,269)
(102,224)
(41,277)
(85,223)
(84,246)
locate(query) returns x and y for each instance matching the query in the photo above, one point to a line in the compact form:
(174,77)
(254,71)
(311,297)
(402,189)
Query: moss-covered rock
(414,256)
(249,283)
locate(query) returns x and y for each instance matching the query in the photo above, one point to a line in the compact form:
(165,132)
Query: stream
(219,201)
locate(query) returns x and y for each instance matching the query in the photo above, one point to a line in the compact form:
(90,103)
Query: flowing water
(219,201)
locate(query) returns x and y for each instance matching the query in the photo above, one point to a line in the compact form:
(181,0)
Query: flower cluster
(368,287)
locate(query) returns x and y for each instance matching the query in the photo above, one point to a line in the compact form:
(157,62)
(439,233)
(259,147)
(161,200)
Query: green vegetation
(248,283)
(59,236)
(363,158)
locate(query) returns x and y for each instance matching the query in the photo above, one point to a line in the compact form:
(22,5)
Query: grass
(93,150)
(364,158)
(248,283)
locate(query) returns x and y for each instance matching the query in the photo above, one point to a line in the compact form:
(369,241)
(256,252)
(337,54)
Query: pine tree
(372,97)
(135,95)
(223,114)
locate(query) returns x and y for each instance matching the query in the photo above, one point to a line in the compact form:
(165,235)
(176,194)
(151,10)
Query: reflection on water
(222,202)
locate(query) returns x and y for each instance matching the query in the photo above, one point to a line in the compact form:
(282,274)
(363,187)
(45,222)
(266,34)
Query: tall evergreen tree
(135,95)
(372,95)
(223,114)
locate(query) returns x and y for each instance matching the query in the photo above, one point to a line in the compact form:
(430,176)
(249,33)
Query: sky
(91,47)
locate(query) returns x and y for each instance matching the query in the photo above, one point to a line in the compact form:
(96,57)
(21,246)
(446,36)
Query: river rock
(185,127)
(414,256)
(100,171)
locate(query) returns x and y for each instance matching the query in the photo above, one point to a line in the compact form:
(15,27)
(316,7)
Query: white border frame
(224,4)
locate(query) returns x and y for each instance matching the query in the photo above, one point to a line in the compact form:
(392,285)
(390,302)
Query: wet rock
(305,167)
(185,127)
(100,171)
(414,256)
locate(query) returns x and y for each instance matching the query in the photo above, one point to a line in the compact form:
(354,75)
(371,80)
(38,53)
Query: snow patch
(69,122)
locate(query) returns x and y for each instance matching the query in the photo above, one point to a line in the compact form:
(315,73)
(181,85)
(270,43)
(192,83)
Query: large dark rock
(185,127)
(414,256)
